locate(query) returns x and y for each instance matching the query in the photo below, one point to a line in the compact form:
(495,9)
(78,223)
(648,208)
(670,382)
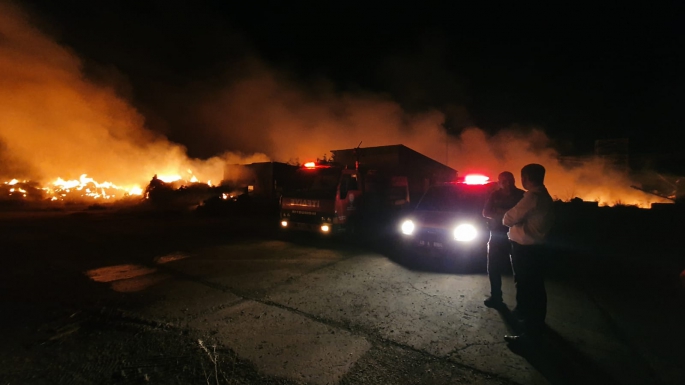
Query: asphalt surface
(138,296)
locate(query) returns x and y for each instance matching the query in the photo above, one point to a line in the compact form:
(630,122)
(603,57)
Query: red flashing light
(476,179)
(314,166)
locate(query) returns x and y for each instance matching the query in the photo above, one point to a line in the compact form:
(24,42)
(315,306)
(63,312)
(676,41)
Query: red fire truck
(330,198)
(373,190)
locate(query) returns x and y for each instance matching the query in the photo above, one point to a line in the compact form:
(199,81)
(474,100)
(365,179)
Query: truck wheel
(350,234)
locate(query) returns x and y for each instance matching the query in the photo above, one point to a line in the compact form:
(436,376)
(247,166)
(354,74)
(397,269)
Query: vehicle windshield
(455,197)
(315,183)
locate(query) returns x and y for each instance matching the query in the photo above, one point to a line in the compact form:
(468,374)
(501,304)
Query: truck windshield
(315,183)
(455,197)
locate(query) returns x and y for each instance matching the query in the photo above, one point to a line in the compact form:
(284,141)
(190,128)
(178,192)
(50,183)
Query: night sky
(579,73)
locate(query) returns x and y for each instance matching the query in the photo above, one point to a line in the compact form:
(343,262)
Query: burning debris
(80,190)
(88,190)
(169,191)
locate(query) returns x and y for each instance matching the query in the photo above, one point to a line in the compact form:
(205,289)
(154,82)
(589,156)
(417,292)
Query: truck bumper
(321,228)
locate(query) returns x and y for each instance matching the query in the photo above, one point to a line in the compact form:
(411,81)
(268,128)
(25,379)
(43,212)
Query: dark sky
(580,73)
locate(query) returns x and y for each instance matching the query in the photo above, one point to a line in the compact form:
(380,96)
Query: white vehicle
(449,218)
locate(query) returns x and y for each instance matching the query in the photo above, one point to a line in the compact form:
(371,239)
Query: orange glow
(55,122)
(88,188)
(127,278)
(141,283)
(170,258)
(476,179)
(83,189)
(136,191)
(169,178)
(118,272)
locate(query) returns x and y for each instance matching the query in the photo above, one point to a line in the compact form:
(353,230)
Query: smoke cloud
(56,123)
(267,111)
(591,179)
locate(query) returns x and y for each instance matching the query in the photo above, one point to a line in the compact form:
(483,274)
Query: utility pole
(447,147)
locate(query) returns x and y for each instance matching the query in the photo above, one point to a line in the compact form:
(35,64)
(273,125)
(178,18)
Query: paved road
(168,298)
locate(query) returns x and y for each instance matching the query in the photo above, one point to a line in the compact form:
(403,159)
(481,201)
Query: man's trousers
(499,249)
(531,297)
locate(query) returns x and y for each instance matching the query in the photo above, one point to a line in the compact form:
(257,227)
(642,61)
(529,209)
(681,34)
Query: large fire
(57,122)
(83,189)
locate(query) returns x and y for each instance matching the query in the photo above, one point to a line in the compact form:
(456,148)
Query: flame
(85,188)
(53,120)
(169,178)
(91,188)
(136,190)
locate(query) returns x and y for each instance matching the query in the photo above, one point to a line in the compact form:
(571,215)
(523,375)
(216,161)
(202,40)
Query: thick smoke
(264,110)
(56,123)
(591,179)
(267,111)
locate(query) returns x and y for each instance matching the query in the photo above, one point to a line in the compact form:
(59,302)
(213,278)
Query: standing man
(529,223)
(499,246)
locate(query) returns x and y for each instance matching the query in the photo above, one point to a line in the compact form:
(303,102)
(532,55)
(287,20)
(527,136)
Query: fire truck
(361,188)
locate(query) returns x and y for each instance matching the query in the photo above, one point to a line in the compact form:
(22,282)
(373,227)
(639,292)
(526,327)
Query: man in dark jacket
(499,246)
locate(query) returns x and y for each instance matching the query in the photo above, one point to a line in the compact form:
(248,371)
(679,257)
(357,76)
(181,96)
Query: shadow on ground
(555,358)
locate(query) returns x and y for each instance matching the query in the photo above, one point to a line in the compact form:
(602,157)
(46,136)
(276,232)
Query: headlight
(284,223)
(465,233)
(325,228)
(407,227)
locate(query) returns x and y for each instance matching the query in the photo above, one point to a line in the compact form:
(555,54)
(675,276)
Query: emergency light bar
(476,179)
(314,165)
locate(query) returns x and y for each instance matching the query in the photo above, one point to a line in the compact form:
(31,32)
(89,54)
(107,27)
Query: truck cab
(328,198)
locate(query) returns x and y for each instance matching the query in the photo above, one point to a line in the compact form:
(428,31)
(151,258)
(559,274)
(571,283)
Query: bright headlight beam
(325,228)
(407,227)
(284,223)
(465,233)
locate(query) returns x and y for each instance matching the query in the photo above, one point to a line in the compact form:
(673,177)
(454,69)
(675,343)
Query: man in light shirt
(529,223)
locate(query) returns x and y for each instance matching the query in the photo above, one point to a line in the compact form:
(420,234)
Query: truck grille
(300,218)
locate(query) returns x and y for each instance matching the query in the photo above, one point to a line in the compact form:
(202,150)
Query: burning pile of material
(86,189)
(83,189)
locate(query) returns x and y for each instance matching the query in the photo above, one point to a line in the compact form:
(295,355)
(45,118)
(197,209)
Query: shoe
(515,339)
(523,338)
(493,302)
